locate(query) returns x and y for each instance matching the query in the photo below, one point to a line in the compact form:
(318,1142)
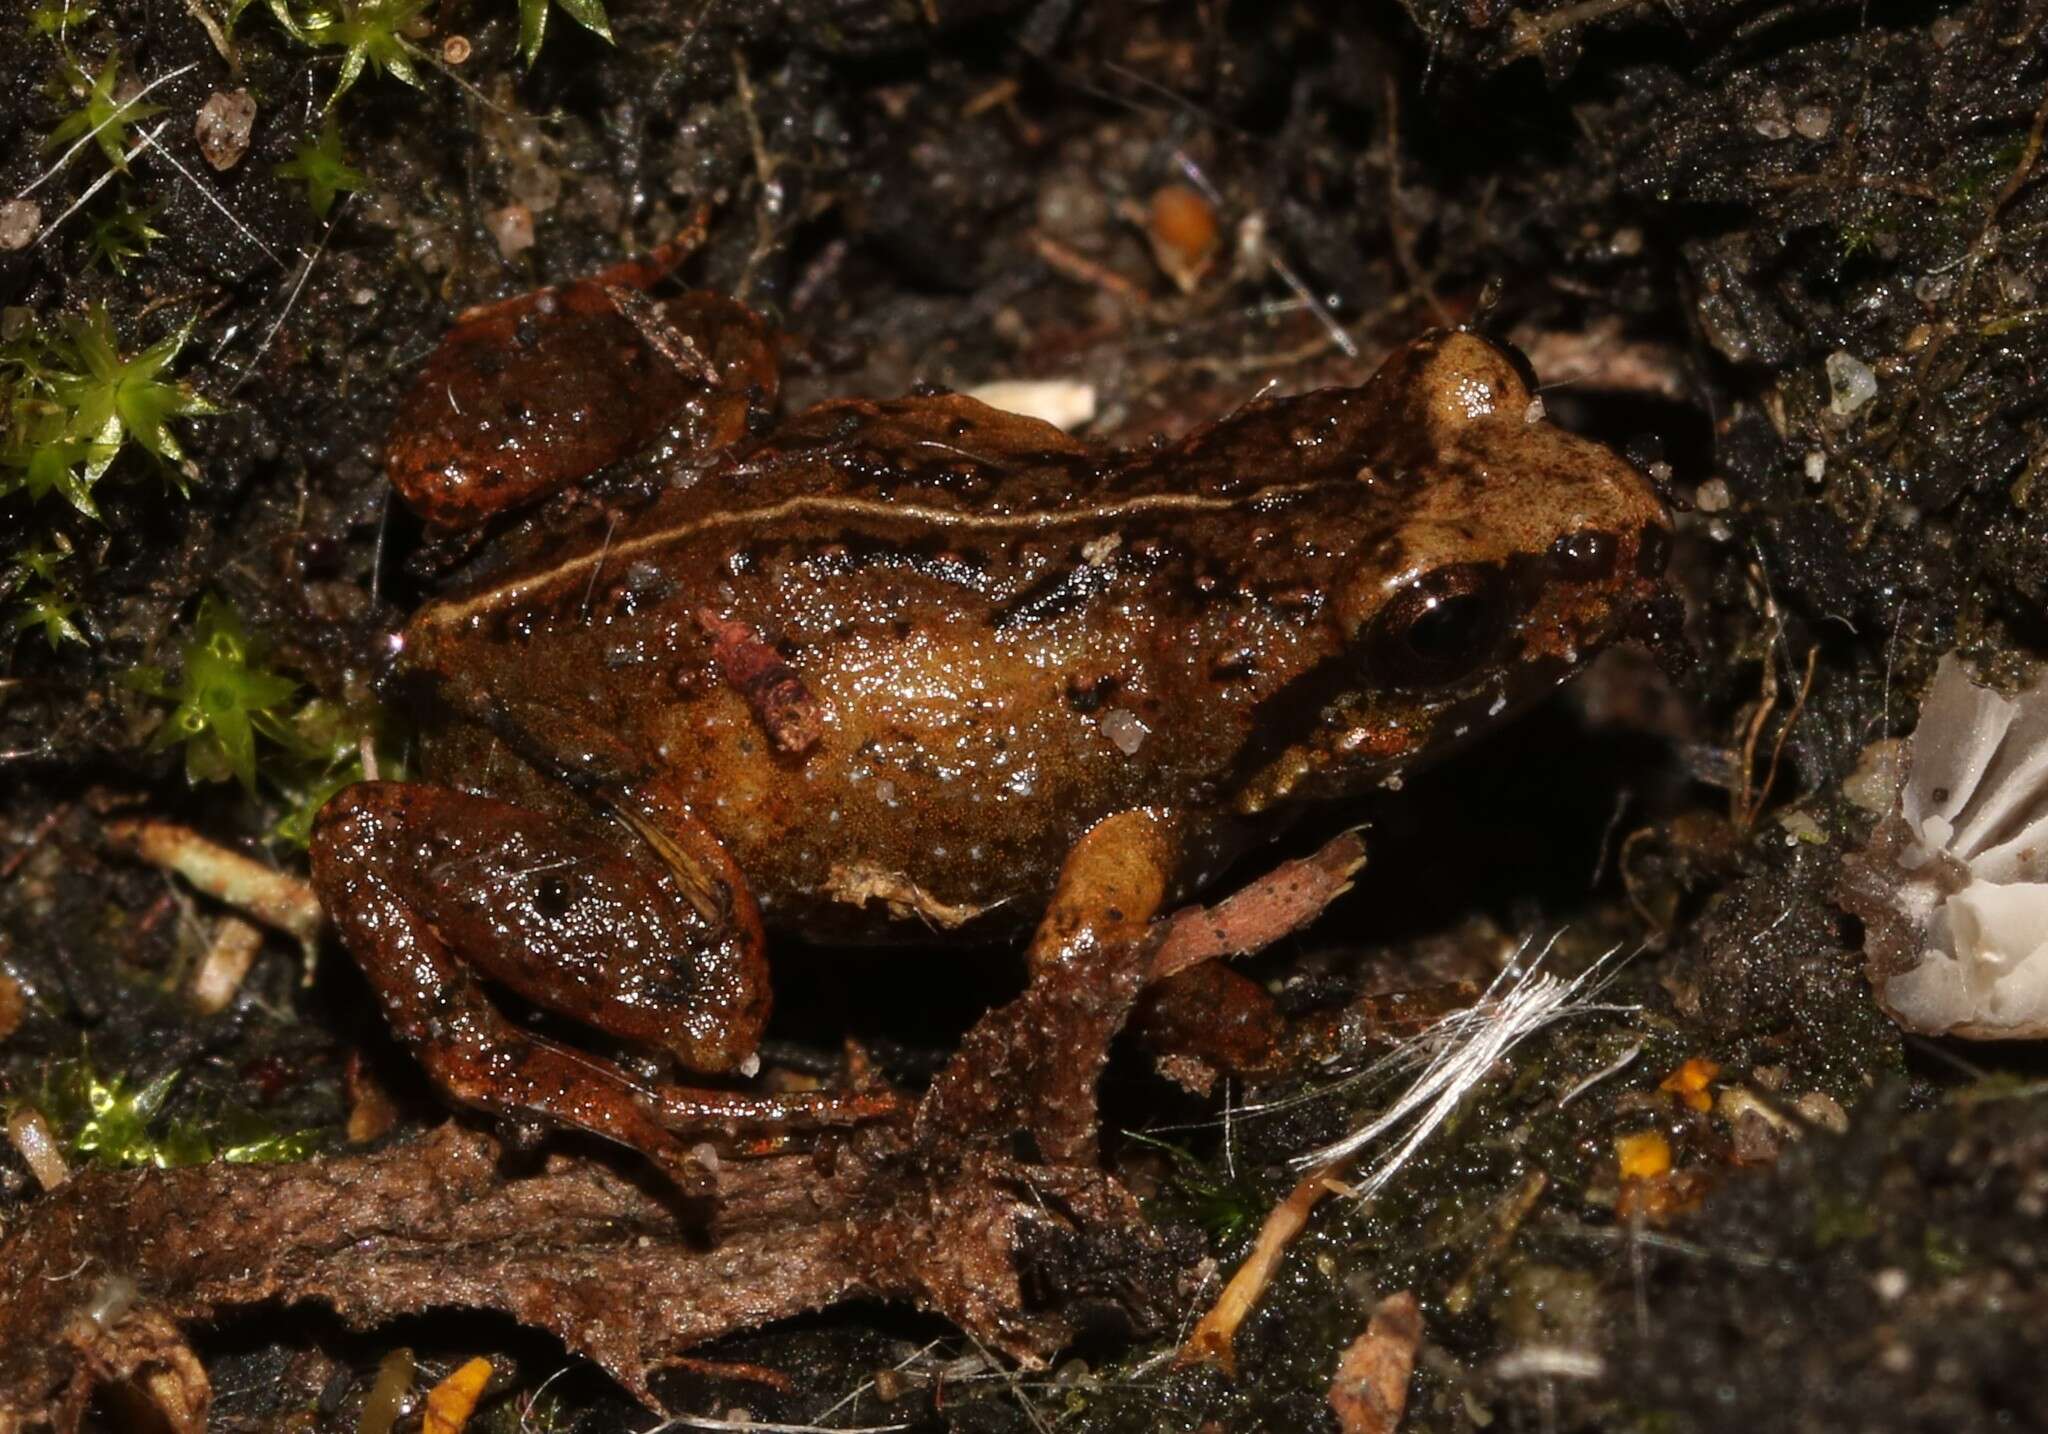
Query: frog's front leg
(430,888)
(1030,1067)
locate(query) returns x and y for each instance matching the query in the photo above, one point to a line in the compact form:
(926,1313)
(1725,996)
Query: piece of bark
(1277,904)
(1370,1391)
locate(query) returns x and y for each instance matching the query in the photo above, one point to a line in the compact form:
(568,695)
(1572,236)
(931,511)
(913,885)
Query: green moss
(533,22)
(57,17)
(225,699)
(43,599)
(236,717)
(1226,1207)
(123,233)
(371,34)
(104,1120)
(379,34)
(103,117)
(318,165)
(74,403)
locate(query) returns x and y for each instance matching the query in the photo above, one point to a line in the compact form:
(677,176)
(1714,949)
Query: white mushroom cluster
(1954,886)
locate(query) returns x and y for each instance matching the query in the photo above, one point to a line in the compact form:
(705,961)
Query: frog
(871,672)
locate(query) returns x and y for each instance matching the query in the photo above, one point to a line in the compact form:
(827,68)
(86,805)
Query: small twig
(764,172)
(273,898)
(215,200)
(198,11)
(1063,260)
(1754,808)
(83,140)
(97,185)
(1214,1337)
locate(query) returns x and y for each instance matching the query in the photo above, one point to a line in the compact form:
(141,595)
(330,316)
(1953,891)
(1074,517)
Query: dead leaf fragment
(1370,1390)
(858,882)
(753,668)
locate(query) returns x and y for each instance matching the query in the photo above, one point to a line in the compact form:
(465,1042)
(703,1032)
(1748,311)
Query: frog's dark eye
(552,897)
(1440,627)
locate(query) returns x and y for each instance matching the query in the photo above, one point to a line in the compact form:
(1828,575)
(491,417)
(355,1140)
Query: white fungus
(1954,885)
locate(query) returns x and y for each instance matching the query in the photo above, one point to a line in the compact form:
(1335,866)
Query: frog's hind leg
(435,1003)
(432,889)
(524,397)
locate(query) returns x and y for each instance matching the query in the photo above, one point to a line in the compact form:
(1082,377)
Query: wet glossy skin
(879,670)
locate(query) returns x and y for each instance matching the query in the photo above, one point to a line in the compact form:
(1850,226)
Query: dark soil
(1789,255)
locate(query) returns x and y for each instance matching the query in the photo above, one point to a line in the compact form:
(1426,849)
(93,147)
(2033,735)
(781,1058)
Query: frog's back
(995,634)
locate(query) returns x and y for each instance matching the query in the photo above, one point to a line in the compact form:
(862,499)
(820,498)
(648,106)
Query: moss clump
(103,1119)
(102,118)
(238,718)
(317,164)
(75,403)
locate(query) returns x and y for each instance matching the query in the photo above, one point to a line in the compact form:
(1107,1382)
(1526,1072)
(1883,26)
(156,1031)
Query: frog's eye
(1440,627)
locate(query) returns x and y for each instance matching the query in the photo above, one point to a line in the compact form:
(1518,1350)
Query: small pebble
(1813,121)
(20,221)
(223,125)
(1713,496)
(1823,1110)
(1851,384)
(512,227)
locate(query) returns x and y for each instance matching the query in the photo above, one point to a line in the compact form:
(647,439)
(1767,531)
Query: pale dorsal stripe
(820,505)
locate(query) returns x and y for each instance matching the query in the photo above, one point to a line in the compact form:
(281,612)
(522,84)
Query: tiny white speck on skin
(1533,414)
(1124,728)
(1474,397)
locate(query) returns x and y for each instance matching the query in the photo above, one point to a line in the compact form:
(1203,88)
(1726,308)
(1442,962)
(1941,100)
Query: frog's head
(1506,552)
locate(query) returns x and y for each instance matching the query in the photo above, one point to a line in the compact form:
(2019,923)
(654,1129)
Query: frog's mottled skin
(880,670)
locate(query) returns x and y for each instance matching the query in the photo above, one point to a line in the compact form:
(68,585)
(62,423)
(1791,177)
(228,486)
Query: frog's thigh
(1032,1065)
(651,937)
(441,1012)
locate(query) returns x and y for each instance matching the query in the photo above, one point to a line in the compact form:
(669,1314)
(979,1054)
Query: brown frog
(871,673)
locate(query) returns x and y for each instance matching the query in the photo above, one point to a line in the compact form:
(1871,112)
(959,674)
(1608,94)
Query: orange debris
(1644,1155)
(1690,1081)
(450,1403)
